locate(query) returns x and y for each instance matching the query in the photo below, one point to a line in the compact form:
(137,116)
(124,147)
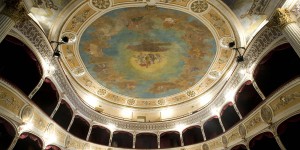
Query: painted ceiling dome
(142,53)
(147,57)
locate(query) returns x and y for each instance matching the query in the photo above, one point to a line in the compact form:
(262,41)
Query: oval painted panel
(144,53)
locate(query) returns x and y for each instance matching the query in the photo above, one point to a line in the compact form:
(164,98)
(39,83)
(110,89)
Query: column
(14,142)
(274,132)
(37,87)
(181,138)
(56,108)
(133,141)
(260,93)
(89,133)
(71,122)
(221,123)
(279,142)
(247,146)
(158,140)
(12,13)
(203,133)
(289,28)
(110,138)
(237,111)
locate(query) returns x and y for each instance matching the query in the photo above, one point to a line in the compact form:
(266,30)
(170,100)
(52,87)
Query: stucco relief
(9,101)
(79,18)
(242,130)
(285,101)
(199,6)
(254,122)
(205,146)
(100,4)
(234,135)
(27,113)
(266,114)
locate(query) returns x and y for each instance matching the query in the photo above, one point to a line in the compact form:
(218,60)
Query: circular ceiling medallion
(147,54)
(199,6)
(100,4)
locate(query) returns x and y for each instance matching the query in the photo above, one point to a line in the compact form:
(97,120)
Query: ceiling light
(240,57)
(179,127)
(166,113)
(111,127)
(26,127)
(126,113)
(215,111)
(229,96)
(205,99)
(64,40)
(91,100)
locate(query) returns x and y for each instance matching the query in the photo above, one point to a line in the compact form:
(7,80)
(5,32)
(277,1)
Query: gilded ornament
(199,6)
(86,146)
(131,101)
(242,130)
(161,102)
(283,17)
(2,94)
(101,4)
(205,146)
(101,92)
(213,74)
(68,141)
(266,114)
(27,113)
(50,129)
(224,140)
(78,71)
(191,93)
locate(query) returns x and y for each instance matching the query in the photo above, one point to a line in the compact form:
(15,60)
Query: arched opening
(146,141)
(15,54)
(264,140)
(80,127)
(247,98)
(29,141)
(46,97)
(122,139)
(63,115)
(192,135)
(7,133)
(229,116)
(52,147)
(99,135)
(170,140)
(212,128)
(239,147)
(288,130)
(277,68)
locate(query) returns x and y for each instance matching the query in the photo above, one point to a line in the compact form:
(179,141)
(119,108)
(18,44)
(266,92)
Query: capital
(283,17)
(15,10)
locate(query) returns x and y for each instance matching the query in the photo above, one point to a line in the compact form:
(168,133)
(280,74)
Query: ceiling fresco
(46,11)
(252,13)
(146,58)
(147,54)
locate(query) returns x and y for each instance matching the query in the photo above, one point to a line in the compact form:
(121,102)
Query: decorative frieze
(285,101)
(10,102)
